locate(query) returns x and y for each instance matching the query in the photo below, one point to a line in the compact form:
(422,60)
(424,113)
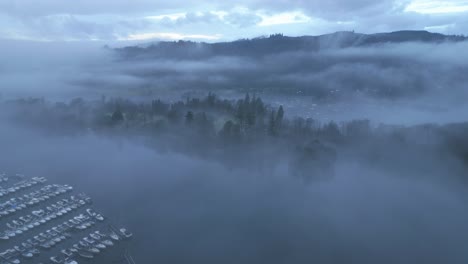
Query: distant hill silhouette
(278,43)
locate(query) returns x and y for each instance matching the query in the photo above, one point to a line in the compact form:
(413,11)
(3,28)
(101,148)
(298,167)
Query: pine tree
(117,116)
(251,118)
(280,115)
(260,107)
(272,124)
(189,117)
(241,112)
(247,99)
(226,132)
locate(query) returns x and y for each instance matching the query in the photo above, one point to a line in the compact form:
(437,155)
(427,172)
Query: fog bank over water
(396,112)
(184,209)
(46,69)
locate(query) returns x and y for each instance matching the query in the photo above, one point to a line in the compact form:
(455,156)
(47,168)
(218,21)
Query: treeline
(246,132)
(237,120)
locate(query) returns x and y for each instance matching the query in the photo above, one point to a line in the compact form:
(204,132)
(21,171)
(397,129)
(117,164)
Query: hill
(279,43)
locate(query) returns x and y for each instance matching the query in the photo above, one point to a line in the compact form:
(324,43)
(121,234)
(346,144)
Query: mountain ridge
(278,43)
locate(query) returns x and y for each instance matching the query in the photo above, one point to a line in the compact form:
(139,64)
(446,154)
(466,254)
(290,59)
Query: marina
(50,223)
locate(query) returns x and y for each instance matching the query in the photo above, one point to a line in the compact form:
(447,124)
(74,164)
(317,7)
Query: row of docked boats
(31,232)
(92,245)
(42,216)
(52,237)
(20,185)
(3,178)
(15,204)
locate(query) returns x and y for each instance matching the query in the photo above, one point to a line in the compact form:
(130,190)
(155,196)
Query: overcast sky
(203,20)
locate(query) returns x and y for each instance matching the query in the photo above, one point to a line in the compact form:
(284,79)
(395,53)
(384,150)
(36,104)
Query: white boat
(67,252)
(56,259)
(114,236)
(100,246)
(125,233)
(107,242)
(93,250)
(95,236)
(70,261)
(27,254)
(88,240)
(85,254)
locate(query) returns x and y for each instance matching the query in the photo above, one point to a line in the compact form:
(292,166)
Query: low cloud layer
(428,80)
(188,210)
(425,79)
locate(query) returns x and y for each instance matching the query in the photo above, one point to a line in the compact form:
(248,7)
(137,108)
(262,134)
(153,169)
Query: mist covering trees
(243,133)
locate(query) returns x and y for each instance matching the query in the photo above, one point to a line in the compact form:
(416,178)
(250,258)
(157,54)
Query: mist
(190,210)
(423,82)
(47,69)
(367,165)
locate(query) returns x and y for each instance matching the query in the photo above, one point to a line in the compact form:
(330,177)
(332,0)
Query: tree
(77,102)
(231,132)
(159,107)
(205,125)
(211,100)
(241,112)
(117,116)
(332,132)
(280,115)
(260,107)
(272,124)
(251,118)
(226,131)
(173,116)
(189,117)
(247,99)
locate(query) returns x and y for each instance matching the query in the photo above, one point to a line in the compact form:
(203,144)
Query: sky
(211,21)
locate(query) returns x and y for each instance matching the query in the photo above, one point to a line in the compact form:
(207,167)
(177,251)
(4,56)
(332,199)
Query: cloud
(88,7)
(110,21)
(243,19)
(239,17)
(330,10)
(437,7)
(66,27)
(205,26)
(181,19)
(169,36)
(284,18)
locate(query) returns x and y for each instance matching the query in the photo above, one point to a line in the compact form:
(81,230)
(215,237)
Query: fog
(36,69)
(394,197)
(189,210)
(422,82)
